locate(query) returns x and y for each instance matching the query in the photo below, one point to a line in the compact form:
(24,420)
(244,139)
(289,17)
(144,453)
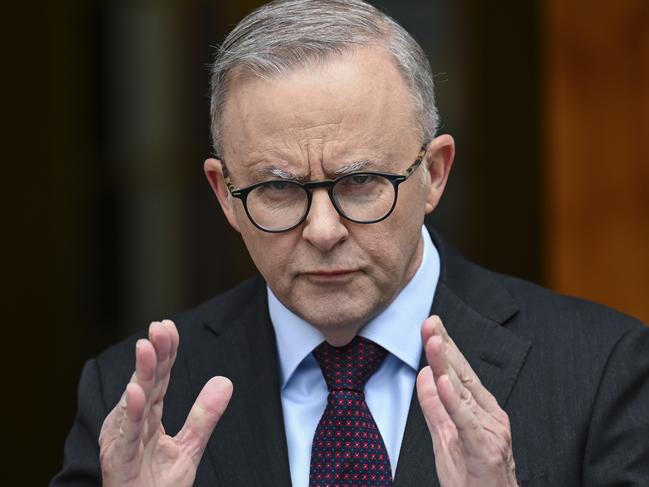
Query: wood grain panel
(597,151)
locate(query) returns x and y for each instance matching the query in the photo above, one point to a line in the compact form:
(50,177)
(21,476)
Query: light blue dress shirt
(389,390)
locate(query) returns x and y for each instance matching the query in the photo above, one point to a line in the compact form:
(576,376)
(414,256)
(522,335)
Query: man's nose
(323,227)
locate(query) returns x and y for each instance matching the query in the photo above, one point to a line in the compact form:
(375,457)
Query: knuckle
(498,455)
(503,418)
(474,425)
(503,433)
(467,375)
(108,428)
(449,436)
(445,336)
(468,399)
(157,404)
(467,379)
(506,437)
(105,459)
(466,395)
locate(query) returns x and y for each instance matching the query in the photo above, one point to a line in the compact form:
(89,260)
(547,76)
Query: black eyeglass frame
(308,187)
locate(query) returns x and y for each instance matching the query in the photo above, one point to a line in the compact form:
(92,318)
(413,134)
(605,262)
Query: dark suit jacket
(572,375)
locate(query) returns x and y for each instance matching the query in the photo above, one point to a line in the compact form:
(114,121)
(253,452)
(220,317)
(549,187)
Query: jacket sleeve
(81,454)
(617,448)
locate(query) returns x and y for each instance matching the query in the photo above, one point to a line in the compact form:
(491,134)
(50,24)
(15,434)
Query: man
(324,123)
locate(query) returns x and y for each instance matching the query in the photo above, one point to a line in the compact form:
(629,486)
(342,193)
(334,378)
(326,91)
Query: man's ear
(439,159)
(214,172)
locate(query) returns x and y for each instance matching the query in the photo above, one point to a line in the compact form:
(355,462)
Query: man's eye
(277,190)
(360,178)
(277,185)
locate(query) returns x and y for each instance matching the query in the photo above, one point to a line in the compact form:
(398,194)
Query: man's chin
(335,315)
(347,304)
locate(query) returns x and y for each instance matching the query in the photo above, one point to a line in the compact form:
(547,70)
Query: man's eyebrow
(268,172)
(352,167)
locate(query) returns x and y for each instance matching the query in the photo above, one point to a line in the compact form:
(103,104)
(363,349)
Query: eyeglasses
(361,197)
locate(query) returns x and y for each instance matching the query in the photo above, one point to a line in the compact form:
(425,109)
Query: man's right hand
(134,449)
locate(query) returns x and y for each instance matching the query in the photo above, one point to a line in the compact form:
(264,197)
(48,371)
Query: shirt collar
(296,338)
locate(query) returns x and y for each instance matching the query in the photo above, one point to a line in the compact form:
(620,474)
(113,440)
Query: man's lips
(329,273)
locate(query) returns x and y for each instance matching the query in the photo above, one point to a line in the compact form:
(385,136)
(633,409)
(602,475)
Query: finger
(160,338)
(129,438)
(175,338)
(470,379)
(439,422)
(161,342)
(143,378)
(462,371)
(165,337)
(145,366)
(435,348)
(464,413)
(165,342)
(204,415)
(174,341)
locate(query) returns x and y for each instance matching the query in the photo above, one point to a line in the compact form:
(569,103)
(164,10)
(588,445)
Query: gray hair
(285,35)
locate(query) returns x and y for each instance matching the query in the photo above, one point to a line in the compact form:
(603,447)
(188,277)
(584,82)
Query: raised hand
(471,433)
(134,449)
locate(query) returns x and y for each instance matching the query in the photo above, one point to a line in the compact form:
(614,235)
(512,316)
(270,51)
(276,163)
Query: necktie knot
(351,366)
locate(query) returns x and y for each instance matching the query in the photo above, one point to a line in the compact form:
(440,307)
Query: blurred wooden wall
(596,67)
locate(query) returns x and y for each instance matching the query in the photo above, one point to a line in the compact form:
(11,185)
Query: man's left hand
(471,433)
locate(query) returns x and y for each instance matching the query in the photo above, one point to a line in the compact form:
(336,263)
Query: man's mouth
(329,274)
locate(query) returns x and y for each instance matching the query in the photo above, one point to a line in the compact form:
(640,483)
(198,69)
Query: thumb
(204,415)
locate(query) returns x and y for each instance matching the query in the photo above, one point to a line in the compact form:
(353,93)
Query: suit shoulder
(221,310)
(118,360)
(502,297)
(556,311)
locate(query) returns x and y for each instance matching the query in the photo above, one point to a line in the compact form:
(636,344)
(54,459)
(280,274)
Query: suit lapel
(416,464)
(495,353)
(244,350)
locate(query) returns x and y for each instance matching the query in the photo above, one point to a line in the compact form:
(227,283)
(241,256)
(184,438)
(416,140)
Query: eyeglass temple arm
(420,157)
(226,175)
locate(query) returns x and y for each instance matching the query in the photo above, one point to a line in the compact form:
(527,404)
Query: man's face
(333,273)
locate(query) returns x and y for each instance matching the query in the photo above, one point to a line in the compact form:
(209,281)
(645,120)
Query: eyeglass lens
(277,205)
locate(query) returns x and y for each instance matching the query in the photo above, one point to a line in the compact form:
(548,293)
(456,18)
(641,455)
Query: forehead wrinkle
(261,158)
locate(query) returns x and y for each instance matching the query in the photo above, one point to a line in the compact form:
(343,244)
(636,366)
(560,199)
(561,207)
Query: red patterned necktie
(348,449)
